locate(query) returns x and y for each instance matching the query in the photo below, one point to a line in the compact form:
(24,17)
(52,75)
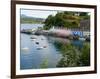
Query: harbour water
(38,50)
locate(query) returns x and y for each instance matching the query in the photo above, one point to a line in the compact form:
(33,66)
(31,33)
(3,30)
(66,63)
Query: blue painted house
(79,33)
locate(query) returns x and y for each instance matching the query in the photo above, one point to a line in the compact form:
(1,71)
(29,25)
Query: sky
(38,13)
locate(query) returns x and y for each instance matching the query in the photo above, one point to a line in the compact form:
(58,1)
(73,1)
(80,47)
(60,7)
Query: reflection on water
(51,52)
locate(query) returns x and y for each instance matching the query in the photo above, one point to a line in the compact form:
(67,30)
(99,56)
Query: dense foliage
(72,56)
(65,19)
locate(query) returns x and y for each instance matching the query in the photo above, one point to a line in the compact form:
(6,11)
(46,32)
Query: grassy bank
(73,56)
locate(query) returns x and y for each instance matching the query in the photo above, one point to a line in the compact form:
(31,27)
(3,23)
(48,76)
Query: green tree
(70,55)
(85,55)
(59,21)
(84,15)
(49,22)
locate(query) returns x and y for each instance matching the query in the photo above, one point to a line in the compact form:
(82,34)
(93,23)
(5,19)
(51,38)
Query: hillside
(28,19)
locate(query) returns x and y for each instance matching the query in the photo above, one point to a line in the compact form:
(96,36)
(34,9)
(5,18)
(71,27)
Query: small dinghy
(44,46)
(42,39)
(39,48)
(32,37)
(25,49)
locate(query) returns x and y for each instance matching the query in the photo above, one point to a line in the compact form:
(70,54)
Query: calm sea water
(34,52)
